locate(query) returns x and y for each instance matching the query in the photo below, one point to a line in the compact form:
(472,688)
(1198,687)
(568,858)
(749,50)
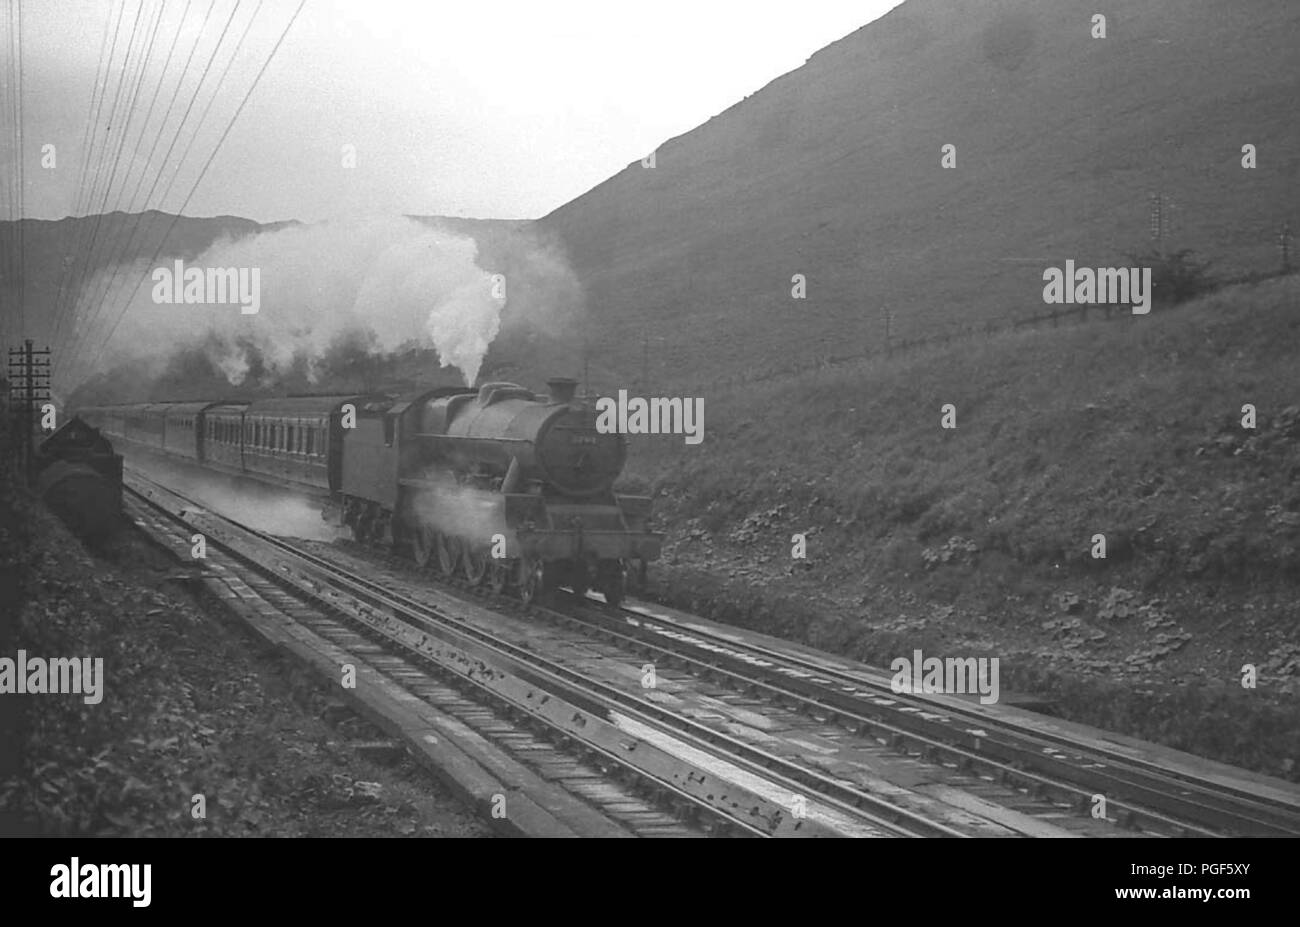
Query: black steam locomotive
(496,485)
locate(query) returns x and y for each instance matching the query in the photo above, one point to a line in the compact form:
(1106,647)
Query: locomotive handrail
(494,440)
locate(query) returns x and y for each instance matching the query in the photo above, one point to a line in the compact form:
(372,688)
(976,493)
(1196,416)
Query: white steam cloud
(397,281)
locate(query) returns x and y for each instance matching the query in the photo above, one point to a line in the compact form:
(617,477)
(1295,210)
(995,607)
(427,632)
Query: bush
(1176,277)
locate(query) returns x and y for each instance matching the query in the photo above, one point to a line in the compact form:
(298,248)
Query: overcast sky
(502,109)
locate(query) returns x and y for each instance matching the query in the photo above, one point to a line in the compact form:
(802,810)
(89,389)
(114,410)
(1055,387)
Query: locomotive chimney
(563,389)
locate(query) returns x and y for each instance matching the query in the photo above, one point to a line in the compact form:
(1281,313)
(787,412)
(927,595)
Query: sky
(504,110)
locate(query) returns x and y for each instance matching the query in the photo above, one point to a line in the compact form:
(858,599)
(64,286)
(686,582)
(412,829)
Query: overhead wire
(66,262)
(101,189)
(12,316)
(81,338)
(221,141)
(22,189)
(87,185)
(136,84)
(8,249)
(116,254)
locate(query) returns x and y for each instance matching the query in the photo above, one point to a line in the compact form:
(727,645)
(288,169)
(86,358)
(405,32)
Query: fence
(909,346)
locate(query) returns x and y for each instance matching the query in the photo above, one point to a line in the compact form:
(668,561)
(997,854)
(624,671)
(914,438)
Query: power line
(107,178)
(22,192)
(65,269)
(100,302)
(137,83)
(124,251)
(203,173)
(79,339)
(13,259)
(162,75)
(79,235)
(11,195)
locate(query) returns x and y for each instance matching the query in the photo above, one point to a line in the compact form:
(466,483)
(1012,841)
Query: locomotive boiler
(517,489)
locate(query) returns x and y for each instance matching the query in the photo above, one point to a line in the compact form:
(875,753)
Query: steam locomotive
(496,485)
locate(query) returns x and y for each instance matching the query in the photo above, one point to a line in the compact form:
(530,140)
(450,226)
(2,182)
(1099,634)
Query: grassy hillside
(976,540)
(1130,428)
(833,171)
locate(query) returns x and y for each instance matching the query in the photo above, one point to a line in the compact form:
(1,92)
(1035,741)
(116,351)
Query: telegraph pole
(29,385)
(1162,218)
(1284,245)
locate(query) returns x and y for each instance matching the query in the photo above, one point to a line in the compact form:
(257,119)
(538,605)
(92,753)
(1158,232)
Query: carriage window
(290,448)
(311,442)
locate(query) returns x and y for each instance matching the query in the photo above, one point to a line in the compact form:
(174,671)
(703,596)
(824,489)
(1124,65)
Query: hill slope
(833,171)
(979,540)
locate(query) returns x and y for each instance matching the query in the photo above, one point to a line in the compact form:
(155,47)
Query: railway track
(1032,753)
(708,784)
(575,674)
(445,718)
(1146,789)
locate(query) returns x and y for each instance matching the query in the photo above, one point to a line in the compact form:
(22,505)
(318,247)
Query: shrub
(1175,277)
